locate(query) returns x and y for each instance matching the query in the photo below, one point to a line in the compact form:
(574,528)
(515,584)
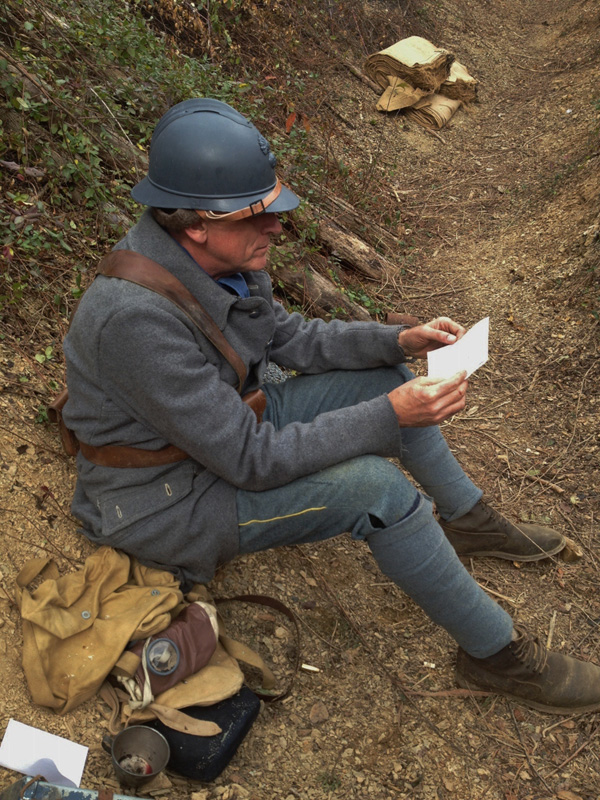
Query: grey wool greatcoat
(140,373)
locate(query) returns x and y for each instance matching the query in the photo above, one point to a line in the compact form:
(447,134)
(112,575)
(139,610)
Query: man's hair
(177,219)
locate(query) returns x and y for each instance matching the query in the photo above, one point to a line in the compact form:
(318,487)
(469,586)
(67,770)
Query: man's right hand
(429,401)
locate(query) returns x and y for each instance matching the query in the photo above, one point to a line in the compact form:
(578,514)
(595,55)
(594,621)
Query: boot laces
(529,651)
(501,521)
(506,525)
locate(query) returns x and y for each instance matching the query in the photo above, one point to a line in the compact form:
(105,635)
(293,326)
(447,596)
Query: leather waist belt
(112,455)
(125,457)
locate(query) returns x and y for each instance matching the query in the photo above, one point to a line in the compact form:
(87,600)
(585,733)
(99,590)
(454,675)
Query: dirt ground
(499,209)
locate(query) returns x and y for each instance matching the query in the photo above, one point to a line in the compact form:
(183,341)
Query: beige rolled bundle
(414,60)
(433,111)
(460,85)
(422,80)
(398,95)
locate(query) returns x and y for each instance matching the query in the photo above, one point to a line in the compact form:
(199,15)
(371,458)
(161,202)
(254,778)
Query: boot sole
(464,684)
(514,556)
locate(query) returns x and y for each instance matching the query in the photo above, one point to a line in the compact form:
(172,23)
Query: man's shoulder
(108,299)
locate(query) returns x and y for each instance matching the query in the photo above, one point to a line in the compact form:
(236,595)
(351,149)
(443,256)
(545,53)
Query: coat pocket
(124,507)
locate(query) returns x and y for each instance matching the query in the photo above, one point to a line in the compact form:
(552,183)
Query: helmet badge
(264,146)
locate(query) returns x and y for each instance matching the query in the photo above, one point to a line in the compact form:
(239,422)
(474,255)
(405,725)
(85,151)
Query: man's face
(236,246)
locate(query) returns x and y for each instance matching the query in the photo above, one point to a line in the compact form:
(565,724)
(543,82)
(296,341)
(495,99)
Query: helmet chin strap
(253,210)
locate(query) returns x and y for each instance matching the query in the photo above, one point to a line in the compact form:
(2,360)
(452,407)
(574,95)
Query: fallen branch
(360,75)
(346,216)
(31,172)
(317,293)
(451,693)
(543,482)
(551,630)
(439,294)
(500,596)
(353,252)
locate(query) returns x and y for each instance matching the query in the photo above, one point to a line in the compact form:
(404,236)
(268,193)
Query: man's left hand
(417,342)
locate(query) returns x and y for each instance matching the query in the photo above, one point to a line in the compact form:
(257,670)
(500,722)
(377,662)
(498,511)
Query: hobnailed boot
(485,532)
(527,672)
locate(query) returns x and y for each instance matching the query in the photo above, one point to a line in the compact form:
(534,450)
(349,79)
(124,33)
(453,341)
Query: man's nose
(270,223)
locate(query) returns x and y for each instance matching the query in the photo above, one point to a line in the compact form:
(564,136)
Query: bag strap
(243,653)
(136,268)
(172,717)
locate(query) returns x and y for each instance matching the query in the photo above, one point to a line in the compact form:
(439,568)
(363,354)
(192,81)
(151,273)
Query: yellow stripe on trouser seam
(284,516)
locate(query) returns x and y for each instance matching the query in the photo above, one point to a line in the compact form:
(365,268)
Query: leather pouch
(179,651)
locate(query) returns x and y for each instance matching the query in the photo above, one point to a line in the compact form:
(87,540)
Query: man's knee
(378,488)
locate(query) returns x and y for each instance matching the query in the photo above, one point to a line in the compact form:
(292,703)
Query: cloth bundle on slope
(459,85)
(414,60)
(399,94)
(433,111)
(422,79)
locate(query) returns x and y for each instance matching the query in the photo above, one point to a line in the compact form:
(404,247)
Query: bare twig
(533,769)
(328,642)
(32,443)
(551,630)
(579,750)
(17,65)
(53,550)
(9,599)
(361,75)
(450,693)
(500,596)
(49,493)
(439,294)
(543,482)
(436,134)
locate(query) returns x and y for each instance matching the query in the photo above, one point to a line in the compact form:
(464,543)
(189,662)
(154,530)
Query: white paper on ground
(35,752)
(469,353)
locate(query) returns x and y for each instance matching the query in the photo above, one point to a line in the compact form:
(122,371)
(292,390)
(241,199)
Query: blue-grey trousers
(373,500)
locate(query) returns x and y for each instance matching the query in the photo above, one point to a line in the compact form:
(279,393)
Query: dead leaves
(297,117)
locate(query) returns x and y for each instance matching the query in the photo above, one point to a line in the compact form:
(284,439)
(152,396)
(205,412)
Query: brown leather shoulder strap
(136,268)
(272,602)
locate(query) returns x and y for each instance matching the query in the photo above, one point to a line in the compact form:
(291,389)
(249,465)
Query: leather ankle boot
(527,672)
(485,532)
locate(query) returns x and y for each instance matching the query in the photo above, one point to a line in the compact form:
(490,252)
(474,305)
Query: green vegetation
(81,89)
(329,781)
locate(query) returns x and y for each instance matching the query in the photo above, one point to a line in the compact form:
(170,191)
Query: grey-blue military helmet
(206,155)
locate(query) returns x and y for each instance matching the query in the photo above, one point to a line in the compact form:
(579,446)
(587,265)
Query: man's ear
(197,234)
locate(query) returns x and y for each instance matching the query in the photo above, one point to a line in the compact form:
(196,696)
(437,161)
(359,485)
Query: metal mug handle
(107,742)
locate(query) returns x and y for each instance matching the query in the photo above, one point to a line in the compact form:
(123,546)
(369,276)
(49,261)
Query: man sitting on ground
(177,470)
